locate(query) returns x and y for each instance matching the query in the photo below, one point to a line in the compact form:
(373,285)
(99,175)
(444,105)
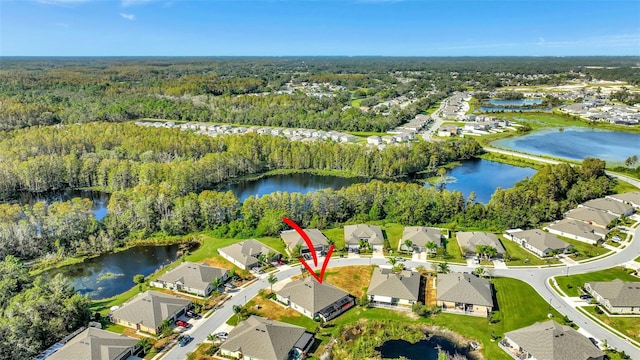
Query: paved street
(536,277)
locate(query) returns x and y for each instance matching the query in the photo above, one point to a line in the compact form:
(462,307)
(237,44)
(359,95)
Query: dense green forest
(295,92)
(36,312)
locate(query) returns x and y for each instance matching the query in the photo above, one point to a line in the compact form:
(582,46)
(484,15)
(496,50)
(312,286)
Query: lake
(99,199)
(576,143)
(111,274)
(522,102)
(483,177)
(422,350)
(295,182)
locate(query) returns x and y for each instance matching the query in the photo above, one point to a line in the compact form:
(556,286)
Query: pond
(522,102)
(576,143)
(99,199)
(296,182)
(483,177)
(422,350)
(111,274)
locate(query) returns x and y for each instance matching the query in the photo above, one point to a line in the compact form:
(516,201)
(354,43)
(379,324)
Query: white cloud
(130,17)
(64,25)
(128,3)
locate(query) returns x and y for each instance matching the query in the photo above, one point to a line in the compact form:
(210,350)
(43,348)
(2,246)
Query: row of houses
(456,106)
(589,222)
(597,110)
(297,134)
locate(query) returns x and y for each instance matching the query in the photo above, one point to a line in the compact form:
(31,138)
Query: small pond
(522,102)
(422,350)
(111,274)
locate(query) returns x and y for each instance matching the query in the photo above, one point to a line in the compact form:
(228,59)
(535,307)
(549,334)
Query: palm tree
(217,282)
(431,246)
(261,258)
(272,279)
(270,256)
(443,267)
(392,261)
(237,309)
(297,251)
(303,271)
(479,271)
(409,245)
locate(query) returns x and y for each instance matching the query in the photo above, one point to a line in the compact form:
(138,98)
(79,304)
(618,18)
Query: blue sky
(323,27)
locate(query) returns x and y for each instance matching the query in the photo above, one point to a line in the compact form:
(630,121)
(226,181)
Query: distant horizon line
(318,56)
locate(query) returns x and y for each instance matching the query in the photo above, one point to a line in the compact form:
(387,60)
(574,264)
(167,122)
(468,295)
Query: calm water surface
(522,102)
(484,177)
(111,274)
(576,143)
(422,350)
(297,182)
(99,199)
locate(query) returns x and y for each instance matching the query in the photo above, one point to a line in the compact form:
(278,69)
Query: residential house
(448,130)
(577,230)
(388,288)
(538,242)
(591,216)
(148,310)
(630,198)
(315,300)
(245,254)
(258,338)
(617,296)
(420,236)
(549,341)
(464,293)
(374,140)
(292,239)
(193,278)
(611,206)
(369,234)
(469,242)
(96,344)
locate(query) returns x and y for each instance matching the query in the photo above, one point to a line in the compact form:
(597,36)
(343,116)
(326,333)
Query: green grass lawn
(518,255)
(393,232)
(637,259)
(577,281)
(586,250)
(627,325)
(623,187)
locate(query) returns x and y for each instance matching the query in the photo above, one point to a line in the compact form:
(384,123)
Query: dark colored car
(185,340)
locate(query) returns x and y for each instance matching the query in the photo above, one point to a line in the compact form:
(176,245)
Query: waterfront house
(390,289)
(191,277)
(315,300)
(258,338)
(464,293)
(617,296)
(245,254)
(148,310)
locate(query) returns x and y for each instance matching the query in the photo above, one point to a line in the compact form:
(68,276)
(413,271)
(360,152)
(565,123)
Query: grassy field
(586,250)
(352,279)
(627,325)
(518,255)
(623,187)
(511,160)
(577,281)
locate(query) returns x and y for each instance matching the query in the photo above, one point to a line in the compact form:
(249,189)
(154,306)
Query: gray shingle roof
(150,308)
(420,236)
(619,293)
(551,341)
(470,240)
(405,285)
(262,338)
(95,344)
(353,234)
(630,197)
(292,238)
(587,215)
(312,295)
(578,228)
(246,252)
(197,276)
(464,288)
(613,206)
(541,239)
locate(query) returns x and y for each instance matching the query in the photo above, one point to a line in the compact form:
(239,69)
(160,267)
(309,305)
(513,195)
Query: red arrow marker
(306,239)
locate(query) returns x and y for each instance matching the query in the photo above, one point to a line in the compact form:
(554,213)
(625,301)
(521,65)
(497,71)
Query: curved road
(536,277)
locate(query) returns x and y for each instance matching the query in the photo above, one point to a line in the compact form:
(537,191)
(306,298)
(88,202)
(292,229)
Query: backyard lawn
(627,325)
(571,284)
(518,255)
(586,250)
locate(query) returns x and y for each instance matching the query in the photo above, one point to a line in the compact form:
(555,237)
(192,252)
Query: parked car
(222,335)
(306,256)
(398,258)
(594,341)
(192,314)
(182,323)
(185,340)
(586,297)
